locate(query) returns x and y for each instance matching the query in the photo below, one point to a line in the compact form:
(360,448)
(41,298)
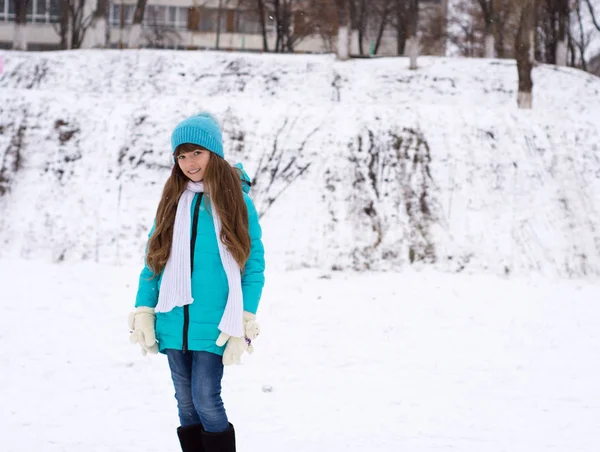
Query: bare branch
(592,13)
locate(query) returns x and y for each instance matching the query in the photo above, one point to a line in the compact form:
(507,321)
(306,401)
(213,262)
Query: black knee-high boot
(219,442)
(190,438)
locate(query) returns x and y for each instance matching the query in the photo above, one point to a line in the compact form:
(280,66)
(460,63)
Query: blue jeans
(197,380)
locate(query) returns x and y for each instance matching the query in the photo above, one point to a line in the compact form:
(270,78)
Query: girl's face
(193,164)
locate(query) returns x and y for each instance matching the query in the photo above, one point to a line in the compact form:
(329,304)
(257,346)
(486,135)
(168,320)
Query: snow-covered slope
(361,164)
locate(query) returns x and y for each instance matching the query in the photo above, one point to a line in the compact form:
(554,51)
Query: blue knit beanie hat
(203,130)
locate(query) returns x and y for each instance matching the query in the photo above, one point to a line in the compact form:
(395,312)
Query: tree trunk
(487,7)
(561,53)
(219,15)
(135,33)
(549,25)
(343,44)
(412,50)
(490,46)
(563,30)
(361,21)
(401,26)
(287,27)
(582,45)
(353,22)
(20,30)
(63,25)
(499,31)
(278,26)
(413,39)
(135,36)
(263,24)
(532,44)
(98,34)
(533,35)
(499,43)
(522,51)
(572,52)
(382,24)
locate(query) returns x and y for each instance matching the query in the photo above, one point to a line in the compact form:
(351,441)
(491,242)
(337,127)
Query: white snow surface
(419,361)
(360,165)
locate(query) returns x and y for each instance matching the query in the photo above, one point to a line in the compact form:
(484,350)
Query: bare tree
(593,14)
(76,17)
(412,44)
(344,34)
(135,33)
(523,45)
(294,19)
(504,26)
(63,26)
(262,12)
(219,15)
(156,33)
(579,40)
(283,23)
(359,18)
(487,7)
(98,34)
(384,10)
(466,29)
(300,23)
(433,31)
(563,13)
(259,8)
(552,25)
(19,31)
(402,18)
(469,30)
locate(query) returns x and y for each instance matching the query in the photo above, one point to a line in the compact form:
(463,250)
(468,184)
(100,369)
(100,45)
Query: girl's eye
(181,157)
(196,153)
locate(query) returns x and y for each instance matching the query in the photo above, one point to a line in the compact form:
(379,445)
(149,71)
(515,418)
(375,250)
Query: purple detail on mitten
(248,341)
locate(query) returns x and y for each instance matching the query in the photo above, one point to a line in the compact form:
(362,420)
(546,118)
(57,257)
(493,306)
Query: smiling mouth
(194,171)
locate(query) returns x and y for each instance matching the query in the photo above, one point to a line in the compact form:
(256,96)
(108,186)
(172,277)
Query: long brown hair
(222,182)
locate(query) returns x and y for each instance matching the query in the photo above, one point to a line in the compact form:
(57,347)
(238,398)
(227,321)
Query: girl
(204,274)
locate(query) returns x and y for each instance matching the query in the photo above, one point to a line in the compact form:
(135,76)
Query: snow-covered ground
(384,362)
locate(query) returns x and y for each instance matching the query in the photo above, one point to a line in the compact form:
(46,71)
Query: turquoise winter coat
(209,285)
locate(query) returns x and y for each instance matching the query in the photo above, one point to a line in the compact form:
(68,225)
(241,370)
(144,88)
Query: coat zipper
(186,308)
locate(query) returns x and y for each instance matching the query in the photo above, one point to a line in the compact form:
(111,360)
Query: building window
(38,11)
(181,19)
(154,16)
(6,8)
(208,20)
(232,21)
(121,15)
(174,17)
(248,22)
(54,11)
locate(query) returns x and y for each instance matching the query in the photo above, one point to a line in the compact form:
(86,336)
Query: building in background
(194,24)
(42,18)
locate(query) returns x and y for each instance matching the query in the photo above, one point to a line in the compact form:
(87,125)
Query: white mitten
(236,346)
(141,326)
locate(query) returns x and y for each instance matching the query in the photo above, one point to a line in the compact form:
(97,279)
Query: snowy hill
(358,165)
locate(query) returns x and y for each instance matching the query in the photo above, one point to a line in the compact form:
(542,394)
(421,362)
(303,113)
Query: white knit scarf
(176,285)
